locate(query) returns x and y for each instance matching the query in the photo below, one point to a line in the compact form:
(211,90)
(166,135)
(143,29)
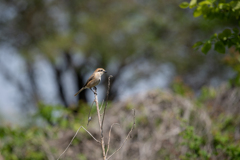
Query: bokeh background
(49,48)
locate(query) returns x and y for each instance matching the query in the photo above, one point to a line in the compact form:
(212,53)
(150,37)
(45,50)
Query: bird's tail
(79,91)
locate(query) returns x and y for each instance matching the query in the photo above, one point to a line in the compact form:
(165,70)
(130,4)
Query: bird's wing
(89,79)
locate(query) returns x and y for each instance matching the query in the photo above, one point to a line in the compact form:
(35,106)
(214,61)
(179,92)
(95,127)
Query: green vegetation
(221,10)
(228,13)
(191,121)
(35,140)
(223,144)
(52,127)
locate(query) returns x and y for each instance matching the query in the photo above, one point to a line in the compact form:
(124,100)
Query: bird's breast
(94,82)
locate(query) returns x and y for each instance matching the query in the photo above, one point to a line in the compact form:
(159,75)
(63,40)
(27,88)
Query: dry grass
(159,116)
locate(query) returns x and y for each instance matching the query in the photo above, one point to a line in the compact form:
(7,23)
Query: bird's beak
(105,71)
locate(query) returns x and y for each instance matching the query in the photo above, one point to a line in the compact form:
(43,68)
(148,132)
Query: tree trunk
(58,74)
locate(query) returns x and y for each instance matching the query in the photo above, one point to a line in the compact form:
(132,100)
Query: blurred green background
(186,99)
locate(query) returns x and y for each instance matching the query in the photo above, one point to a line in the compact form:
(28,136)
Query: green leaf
(225,34)
(184,5)
(205,3)
(235,30)
(219,47)
(197,13)
(236,6)
(223,6)
(193,3)
(197,44)
(230,43)
(206,47)
(214,36)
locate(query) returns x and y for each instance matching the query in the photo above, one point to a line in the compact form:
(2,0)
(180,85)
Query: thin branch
(102,105)
(89,117)
(100,128)
(126,137)
(74,137)
(106,101)
(109,137)
(46,149)
(91,135)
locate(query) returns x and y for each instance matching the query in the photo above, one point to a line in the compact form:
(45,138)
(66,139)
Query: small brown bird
(93,80)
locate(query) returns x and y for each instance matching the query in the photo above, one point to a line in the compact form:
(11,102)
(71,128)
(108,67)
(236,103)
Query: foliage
(22,143)
(233,60)
(180,88)
(31,141)
(217,9)
(222,10)
(54,125)
(223,144)
(222,141)
(194,143)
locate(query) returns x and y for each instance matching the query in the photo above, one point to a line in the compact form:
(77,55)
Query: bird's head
(101,71)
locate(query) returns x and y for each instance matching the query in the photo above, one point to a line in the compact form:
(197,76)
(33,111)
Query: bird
(93,81)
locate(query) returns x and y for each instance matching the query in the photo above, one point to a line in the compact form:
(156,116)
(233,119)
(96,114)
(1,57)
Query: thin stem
(90,118)
(109,137)
(106,101)
(91,135)
(102,105)
(126,137)
(74,137)
(100,128)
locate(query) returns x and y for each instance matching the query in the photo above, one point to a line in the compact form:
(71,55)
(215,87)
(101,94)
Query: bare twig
(89,117)
(46,149)
(106,101)
(100,128)
(99,118)
(101,105)
(109,137)
(74,137)
(91,135)
(126,137)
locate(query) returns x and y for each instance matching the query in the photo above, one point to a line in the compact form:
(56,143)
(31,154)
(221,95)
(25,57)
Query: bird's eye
(100,70)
